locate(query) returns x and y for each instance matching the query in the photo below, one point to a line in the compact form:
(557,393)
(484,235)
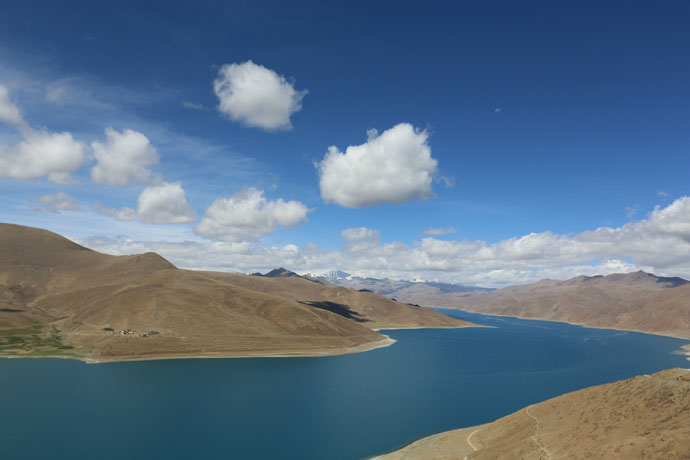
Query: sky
(477,142)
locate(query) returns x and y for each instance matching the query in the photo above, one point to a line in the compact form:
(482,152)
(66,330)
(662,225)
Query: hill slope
(59,298)
(633,301)
(640,418)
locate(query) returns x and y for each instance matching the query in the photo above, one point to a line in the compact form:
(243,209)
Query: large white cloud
(125,158)
(257,96)
(659,243)
(393,167)
(165,203)
(248,215)
(39,153)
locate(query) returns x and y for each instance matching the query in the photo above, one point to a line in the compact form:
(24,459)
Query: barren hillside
(646,417)
(59,298)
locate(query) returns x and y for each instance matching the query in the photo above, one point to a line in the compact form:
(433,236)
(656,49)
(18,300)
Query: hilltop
(58,298)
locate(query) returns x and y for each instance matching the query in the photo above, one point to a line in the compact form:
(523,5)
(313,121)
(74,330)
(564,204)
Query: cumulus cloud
(248,215)
(165,203)
(440,231)
(39,153)
(393,167)
(125,158)
(56,203)
(659,243)
(257,96)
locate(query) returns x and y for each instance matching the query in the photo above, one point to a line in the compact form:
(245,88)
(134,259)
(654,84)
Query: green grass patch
(36,340)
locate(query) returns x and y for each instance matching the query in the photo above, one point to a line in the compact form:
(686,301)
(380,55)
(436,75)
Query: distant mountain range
(402,290)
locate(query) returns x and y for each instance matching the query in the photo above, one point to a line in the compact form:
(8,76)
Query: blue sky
(547,118)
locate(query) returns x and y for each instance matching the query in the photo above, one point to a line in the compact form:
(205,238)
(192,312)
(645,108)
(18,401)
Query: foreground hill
(646,417)
(58,298)
(633,301)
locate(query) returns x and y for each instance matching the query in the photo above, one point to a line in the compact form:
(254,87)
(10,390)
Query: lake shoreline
(683,350)
(382,343)
(660,334)
(385,341)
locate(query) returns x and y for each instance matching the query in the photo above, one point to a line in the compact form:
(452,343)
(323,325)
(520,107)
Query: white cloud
(360,234)
(57,202)
(9,112)
(39,153)
(158,204)
(440,231)
(360,238)
(257,96)
(248,215)
(660,243)
(393,167)
(124,159)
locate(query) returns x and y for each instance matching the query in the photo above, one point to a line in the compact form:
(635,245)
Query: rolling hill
(58,298)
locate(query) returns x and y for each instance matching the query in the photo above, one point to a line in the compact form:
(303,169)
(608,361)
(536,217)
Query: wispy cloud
(56,203)
(192,105)
(440,231)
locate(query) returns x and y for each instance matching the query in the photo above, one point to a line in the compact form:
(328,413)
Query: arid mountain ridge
(636,301)
(58,298)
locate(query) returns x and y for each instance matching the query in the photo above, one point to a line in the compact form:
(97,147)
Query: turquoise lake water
(342,407)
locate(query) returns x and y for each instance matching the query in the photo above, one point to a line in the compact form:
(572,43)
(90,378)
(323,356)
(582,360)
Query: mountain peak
(281,272)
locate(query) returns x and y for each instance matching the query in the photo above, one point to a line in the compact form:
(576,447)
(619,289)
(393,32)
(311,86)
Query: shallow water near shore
(345,407)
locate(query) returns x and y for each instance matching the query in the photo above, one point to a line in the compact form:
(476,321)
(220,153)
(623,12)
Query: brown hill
(646,417)
(373,310)
(633,301)
(59,298)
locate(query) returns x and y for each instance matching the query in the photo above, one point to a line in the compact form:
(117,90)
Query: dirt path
(536,432)
(469,441)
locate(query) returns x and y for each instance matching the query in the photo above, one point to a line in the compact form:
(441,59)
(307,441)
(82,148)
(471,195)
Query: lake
(341,407)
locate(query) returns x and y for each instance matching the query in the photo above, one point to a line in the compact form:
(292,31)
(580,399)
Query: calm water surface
(343,407)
